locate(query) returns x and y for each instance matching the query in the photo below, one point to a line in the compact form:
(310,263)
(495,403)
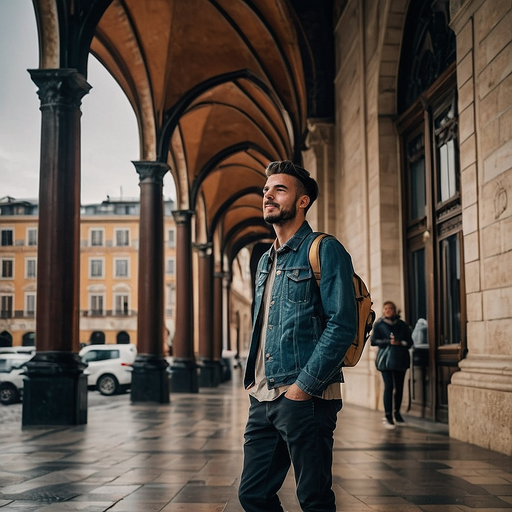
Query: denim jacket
(309,328)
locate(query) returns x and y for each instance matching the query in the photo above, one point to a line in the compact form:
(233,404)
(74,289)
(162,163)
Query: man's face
(280,198)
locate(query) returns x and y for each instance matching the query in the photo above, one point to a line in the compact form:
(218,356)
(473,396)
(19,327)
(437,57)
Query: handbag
(382,359)
(392,357)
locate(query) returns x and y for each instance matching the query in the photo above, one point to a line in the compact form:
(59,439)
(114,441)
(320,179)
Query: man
(300,335)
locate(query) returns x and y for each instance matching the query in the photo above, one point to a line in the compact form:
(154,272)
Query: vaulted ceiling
(219,88)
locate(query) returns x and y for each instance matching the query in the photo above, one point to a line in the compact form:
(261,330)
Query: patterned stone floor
(187,456)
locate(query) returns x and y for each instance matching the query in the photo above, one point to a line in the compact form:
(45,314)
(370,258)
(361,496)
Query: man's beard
(282,216)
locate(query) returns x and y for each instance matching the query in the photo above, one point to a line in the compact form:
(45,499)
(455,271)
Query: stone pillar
(319,160)
(226,284)
(55,391)
(150,380)
(209,365)
(183,369)
(218,324)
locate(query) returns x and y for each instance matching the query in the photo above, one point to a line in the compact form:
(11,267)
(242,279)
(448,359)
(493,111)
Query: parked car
(11,376)
(18,350)
(109,367)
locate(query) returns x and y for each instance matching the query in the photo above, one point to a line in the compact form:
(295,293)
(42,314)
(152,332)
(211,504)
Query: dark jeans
(285,432)
(393,380)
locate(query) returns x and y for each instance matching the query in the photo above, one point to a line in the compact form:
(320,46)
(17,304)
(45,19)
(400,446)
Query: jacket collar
(296,240)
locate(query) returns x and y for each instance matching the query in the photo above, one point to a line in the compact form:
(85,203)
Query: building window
(32,236)
(97,338)
(123,338)
(6,306)
(29,339)
(7,237)
(169,266)
(30,304)
(96,237)
(170,294)
(170,298)
(121,302)
(96,305)
(7,268)
(5,339)
(171,243)
(30,268)
(122,237)
(95,267)
(121,268)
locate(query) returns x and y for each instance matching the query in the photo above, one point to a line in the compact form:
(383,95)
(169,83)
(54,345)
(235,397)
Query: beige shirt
(260,389)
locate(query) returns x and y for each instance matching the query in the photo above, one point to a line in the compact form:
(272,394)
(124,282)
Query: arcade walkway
(186,456)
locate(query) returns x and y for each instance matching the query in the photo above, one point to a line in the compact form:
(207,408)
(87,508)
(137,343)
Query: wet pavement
(187,456)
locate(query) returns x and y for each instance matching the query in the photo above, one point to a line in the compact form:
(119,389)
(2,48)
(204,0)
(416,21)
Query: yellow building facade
(109,242)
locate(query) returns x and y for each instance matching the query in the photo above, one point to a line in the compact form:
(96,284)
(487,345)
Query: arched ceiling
(219,88)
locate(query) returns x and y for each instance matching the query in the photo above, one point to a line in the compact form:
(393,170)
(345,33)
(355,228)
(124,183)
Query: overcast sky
(109,128)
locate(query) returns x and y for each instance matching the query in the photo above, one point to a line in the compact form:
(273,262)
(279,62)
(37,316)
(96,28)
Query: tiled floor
(187,456)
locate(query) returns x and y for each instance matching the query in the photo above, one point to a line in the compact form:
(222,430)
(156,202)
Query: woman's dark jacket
(381,334)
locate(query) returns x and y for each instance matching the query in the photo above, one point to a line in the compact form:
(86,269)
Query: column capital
(182,216)
(320,132)
(61,86)
(151,172)
(204,250)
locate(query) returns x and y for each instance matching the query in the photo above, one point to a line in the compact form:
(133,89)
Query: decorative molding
(60,87)
(319,133)
(485,372)
(500,201)
(182,216)
(204,250)
(151,172)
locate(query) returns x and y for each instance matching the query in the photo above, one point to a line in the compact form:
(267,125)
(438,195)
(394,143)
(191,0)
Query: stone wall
(483,388)
(366,172)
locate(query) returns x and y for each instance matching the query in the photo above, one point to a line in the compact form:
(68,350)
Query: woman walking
(393,337)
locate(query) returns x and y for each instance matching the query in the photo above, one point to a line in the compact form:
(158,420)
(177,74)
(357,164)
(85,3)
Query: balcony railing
(107,312)
(17,314)
(84,312)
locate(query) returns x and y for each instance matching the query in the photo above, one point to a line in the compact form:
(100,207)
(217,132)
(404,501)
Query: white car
(11,376)
(109,367)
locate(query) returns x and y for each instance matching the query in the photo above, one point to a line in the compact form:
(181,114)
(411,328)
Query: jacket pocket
(298,285)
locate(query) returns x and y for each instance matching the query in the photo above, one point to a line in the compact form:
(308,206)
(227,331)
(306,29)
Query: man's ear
(304,201)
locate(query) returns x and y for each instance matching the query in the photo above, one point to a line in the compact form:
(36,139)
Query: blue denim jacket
(309,329)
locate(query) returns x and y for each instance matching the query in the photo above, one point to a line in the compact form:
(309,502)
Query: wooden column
(184,378)
(56,390)
(150,380)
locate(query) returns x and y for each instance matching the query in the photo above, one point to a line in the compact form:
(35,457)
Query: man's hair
(307,185)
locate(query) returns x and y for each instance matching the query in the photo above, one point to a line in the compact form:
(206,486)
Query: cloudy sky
(109,128)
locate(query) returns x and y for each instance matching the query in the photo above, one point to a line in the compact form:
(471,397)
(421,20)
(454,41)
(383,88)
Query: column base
(480,402)
(184,378)
(150,380)
(55,390)
(210,374)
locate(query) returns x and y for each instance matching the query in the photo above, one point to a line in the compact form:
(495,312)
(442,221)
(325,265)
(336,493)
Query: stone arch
(388,169)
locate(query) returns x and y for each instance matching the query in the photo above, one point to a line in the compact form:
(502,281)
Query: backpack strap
(314,256)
